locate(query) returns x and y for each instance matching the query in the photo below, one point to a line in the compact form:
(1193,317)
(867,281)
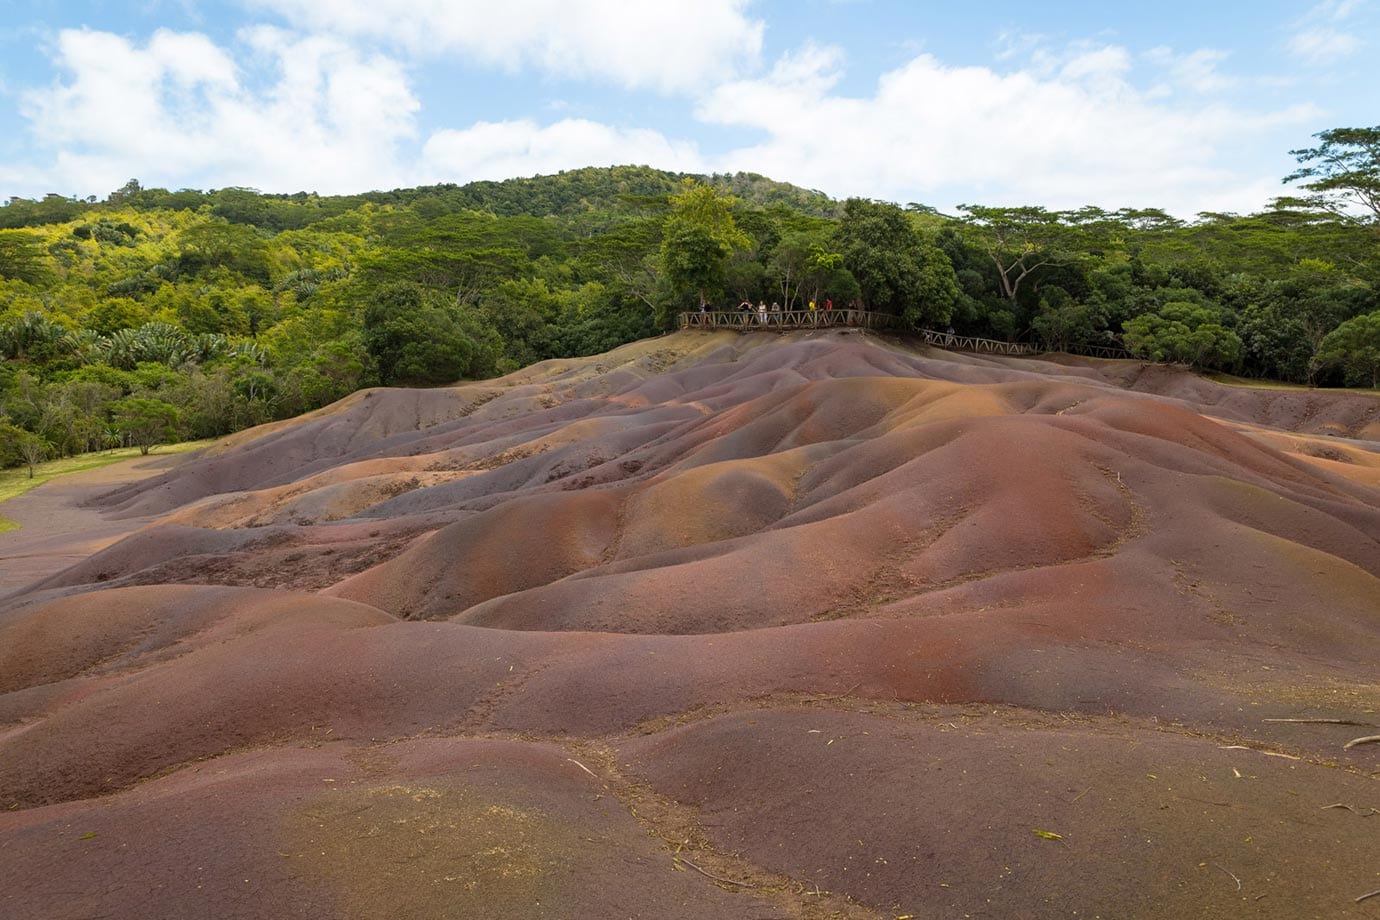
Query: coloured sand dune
(716,625)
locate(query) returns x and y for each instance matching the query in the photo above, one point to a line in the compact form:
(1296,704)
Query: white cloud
(1014,43)
(283,111)
(1322,37)
(1323,45)
(1337,10)
(666,45)
(1099,67)
(1060,135)
(177,111)
(502,150)
(1195,71)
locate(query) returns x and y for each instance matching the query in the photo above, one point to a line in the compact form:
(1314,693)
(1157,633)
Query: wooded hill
(156,314)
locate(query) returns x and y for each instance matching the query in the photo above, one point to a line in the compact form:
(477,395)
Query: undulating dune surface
(719,625)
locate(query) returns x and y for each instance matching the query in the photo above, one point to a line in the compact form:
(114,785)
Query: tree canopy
(235,308)
(898,268)
(1355,346)
(1343,170)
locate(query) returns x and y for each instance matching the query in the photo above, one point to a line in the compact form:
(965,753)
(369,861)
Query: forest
(155,315)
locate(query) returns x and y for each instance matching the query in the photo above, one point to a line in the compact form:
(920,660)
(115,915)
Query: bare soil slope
(720,625)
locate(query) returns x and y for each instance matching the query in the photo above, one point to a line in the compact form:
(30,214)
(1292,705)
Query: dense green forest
(157,314)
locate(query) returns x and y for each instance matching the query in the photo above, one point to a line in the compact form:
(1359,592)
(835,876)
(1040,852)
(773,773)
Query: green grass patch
(16,482)
(1252,383)
(7,525)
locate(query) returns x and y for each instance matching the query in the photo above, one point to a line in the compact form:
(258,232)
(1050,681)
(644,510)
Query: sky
(1188,106)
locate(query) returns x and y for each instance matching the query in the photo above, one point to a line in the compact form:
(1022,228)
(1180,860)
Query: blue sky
(1188,106)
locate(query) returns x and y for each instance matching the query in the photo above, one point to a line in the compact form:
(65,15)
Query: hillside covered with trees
(156,314)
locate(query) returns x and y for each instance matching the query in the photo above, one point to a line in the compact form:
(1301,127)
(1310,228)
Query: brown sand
(716,625)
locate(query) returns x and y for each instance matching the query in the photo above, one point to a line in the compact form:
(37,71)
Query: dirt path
(56,531)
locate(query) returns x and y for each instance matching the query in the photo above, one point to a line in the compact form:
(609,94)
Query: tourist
(828,305)
(761,314)
(812,306)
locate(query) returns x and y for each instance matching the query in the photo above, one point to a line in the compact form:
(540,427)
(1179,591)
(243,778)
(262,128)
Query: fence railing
(787,319)
(1097,351)
(749,320)
(956,342)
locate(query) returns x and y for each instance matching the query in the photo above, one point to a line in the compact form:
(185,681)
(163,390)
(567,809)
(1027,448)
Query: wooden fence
(747,320)
(955,342)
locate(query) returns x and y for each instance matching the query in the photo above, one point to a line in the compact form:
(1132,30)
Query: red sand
(717,625)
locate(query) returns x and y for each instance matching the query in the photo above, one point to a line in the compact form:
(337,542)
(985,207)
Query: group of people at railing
(764,314)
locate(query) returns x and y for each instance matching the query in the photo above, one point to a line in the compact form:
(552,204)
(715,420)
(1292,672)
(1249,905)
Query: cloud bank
(328,101)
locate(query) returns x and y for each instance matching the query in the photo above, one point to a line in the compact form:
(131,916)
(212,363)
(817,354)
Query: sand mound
(720,625)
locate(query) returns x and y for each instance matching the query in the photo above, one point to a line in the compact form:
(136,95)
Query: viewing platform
(750,321)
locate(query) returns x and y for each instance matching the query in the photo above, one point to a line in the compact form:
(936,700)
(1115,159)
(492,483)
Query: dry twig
(1354,811)
(1233,877)
(1321,721)
(1368,739)
(726,881)
(582,766)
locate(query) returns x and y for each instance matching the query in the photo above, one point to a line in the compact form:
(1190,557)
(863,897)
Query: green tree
(1019,241)
(35,336)
(1062,322)
(626,258)
(699,236)
(523,312)
(22,257)
(1278,342)
(1343,171)
(114,314)
(1185,333)
(419,336)
(804,265)
(31,448)
(897,268)
(1355,345)
(333,370)
(236,248)
(145,422)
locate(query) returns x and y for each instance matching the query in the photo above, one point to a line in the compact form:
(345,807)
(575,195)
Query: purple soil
(57,528)
(575,643)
